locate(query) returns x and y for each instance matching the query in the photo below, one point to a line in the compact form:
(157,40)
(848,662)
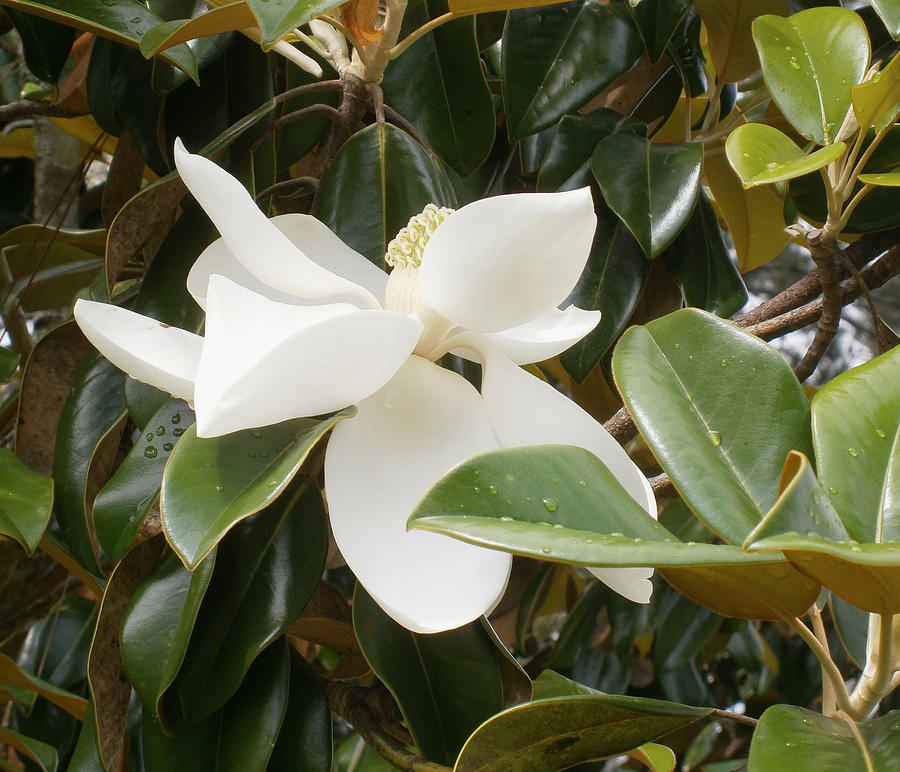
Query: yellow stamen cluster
(408,246)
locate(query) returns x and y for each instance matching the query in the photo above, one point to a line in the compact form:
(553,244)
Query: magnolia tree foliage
(401,406)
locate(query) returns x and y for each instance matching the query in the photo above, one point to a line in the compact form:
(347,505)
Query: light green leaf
(652,187)
(885,179)
(214,21)
(789,737)
(877,101)
(810,62)
(690,379)
(762,154)
(26,501)
(212,484)
(278,17)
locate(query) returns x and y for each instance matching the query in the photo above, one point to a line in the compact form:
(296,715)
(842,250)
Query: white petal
(503,261)
(308,234)
(378,465)
(548,335)
(265,362)
(527,411)
(148,350)
(260,247)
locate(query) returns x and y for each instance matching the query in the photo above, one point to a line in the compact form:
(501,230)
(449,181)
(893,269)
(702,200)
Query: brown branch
(288,186)
(824,252)
(360,707)
(621,426)
(308,88)
(27,108)
(295,115)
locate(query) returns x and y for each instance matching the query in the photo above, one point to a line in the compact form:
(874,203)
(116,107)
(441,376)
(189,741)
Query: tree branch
(27,108)
(824,251)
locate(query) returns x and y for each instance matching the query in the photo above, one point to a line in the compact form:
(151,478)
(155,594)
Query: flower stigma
(408,246)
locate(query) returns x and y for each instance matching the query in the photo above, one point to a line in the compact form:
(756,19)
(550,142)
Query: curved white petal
(306,233)
(265,362)
(378,465)
(548,335)
(503,261)
(527,411)
(260,247)
(148,350)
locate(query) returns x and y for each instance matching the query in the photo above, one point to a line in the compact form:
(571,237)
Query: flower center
(407,247)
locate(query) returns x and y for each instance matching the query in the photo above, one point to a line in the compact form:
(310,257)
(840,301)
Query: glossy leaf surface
(278,17)
(568,724)
(446,684)
(798,738)
(125,500)
(552,65)
(157,626)
(265,573)
(44,756)
(762,154)
(810,62)
(680,377)
(889,11)
(212,484)
(403,179)
(11,673)
(658,20)
(27,502)
(652,187)
(877,101)
(439,83)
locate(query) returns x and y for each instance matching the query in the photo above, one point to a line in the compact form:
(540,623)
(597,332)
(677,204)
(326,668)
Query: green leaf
(157,626)
(552,65)
(278,17)
(728,24)
(12,674)
(796,738)
(700,262)
(886,179)
(762,154)
(86,756)
(45,44)
(124,21)
(212,484)
(652,187)
(876,102)
(439,84)
(304,741)
(568,724)
(123,503)
(855,419)
(889,11)
(9,363)
(213,22)
(810,62)
(95,405)
(446,684)
(658,20)
(42,754)
(683,629)
(26,503)
(680,376)
(265,573)
(378,180)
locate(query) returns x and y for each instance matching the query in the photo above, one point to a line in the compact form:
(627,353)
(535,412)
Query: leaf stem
(876,677)
(418,34)
(847,184)
(829,669)
(829,701)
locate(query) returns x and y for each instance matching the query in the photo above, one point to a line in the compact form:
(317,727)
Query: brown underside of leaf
(363,20)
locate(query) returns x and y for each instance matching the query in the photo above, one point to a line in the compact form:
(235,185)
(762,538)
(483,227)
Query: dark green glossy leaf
(682,377)
(700,262)
(651,187)
(379,179)
(612,282)
(796,738)
(278,17)
(158,624)
(86,757)
(658,20)
(125,500)
(180,744)
(879,210)
(855,419)
(43,755)
(852,625)
(296,138)
(889,11)
(810,62)
(210,485)
(26,503)
(552,64)
(9,363)
(446,684)
(266,570)
(574,636)
(45,44)
(568,724)
(124,21)
(304,741)
(95,405)
(684,628)
(439,85)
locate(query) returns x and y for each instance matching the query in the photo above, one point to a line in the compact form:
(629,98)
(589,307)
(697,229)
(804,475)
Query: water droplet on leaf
(853,452)
(492,489)
(151,452)
(176,419)
(178,432)
(549,504)
(160,430)
(168,446)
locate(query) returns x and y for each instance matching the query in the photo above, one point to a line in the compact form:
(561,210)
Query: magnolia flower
(289,336)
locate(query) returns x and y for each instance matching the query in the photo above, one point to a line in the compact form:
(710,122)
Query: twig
(662,486)
(355,705)
(25,108)
(621,426)
(823,250)
(308,88)
(736,717)
(394,117)
(295,115)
